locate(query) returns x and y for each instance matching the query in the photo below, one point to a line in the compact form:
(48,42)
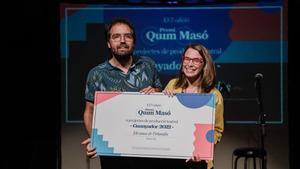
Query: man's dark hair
(118,21)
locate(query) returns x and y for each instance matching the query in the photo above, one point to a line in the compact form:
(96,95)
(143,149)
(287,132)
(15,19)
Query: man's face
(121,41)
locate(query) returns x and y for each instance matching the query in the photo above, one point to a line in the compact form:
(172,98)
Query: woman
(197,75)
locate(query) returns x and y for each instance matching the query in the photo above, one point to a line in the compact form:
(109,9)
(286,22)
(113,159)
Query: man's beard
(122,57)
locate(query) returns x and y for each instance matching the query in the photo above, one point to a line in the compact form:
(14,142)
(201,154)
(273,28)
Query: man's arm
(150,89)
(88,117)
(157,89)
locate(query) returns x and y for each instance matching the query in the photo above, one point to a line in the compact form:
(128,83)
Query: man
(122,72)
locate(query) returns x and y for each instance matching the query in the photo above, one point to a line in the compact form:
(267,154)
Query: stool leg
(235,162)
(245,163)
(254,163)
(265,159)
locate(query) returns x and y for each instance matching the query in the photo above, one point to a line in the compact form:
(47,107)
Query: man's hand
(90,152)
(149,90)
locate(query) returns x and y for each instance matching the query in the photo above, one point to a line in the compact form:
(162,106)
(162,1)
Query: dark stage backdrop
(244,39)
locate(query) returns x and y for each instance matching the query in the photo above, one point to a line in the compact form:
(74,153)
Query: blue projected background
(164,35)
(243,39)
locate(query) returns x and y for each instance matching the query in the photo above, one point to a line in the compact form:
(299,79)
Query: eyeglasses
(195,61)
(118,37)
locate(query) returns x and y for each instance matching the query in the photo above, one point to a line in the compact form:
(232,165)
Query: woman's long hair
(207,75)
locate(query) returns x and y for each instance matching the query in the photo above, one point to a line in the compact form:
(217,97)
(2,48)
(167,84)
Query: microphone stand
(262,121)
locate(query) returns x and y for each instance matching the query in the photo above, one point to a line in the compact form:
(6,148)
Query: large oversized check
(155,125)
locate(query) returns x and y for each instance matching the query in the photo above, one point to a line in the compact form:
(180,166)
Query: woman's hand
(194,159)
(170,93)
(149,90)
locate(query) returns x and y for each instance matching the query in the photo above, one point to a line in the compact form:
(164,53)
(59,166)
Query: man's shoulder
(99,68)
(145,59)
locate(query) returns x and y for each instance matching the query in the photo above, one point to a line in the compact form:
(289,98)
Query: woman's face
(192,63)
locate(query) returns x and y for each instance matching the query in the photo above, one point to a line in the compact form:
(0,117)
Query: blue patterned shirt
(106,77)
